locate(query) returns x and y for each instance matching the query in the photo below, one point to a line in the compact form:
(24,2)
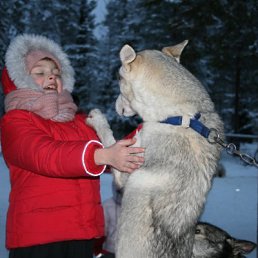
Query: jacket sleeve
(28,147)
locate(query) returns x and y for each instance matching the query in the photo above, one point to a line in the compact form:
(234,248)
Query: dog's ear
(241,246)
(176,50)
(127,55)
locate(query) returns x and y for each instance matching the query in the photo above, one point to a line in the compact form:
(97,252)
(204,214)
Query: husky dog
(163,199)
(213,242)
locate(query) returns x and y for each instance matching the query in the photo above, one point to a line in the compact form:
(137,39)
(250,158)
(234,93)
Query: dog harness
(194,123)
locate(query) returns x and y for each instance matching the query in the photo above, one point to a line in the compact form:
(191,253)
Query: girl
(54,158)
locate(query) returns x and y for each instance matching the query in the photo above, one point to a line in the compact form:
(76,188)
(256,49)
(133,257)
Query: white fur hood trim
(15,60)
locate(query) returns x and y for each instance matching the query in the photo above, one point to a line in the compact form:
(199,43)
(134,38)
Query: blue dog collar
(194,123)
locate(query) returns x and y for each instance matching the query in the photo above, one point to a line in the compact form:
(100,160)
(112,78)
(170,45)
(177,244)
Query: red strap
(133,133)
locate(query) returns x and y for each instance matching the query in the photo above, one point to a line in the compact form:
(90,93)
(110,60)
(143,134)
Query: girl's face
(46,74)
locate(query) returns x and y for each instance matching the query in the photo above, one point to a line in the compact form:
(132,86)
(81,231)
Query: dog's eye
(197,231)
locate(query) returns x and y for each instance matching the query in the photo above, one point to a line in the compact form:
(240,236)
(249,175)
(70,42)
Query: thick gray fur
(164,198)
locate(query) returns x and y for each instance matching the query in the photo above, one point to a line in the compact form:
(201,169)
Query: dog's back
(213,242)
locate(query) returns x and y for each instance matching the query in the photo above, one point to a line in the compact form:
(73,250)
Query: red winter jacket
(55,188)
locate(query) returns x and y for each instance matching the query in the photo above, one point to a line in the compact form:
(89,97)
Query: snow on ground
(231,203)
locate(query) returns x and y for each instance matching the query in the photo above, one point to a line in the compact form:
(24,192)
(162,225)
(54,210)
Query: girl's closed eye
(39,74)
(38,71)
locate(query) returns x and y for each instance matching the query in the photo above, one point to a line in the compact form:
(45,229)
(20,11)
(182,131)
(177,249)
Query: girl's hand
(121,156)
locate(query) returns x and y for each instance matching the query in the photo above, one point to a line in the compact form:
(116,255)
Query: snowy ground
(231,204)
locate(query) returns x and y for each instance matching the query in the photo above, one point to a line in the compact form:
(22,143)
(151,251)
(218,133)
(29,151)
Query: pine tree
(5,20)
(114,40)
(149,27)
(222,52)
(67,21)
(7,32)
(83,52)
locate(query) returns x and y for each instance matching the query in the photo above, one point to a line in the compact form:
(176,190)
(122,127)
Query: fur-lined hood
(15,60)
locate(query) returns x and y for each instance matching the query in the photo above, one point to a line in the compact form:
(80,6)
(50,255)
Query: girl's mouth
(50,87)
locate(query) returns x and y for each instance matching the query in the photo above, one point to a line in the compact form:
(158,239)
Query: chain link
(231,148)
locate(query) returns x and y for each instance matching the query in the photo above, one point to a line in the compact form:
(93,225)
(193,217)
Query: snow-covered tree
(222,50)
(222,53)
(82,51)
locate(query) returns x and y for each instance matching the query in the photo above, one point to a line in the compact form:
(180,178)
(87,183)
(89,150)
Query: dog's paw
(95,113)
(97,119)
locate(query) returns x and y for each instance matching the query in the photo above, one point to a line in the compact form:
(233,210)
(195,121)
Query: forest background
(222,51)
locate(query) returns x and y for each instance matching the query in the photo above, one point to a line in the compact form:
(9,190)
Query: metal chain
(231,148)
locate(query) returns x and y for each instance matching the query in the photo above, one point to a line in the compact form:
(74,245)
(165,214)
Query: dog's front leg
(98,121)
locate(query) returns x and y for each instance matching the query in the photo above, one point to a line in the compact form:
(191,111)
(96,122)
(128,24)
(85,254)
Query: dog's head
(154,85)
(212,241)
